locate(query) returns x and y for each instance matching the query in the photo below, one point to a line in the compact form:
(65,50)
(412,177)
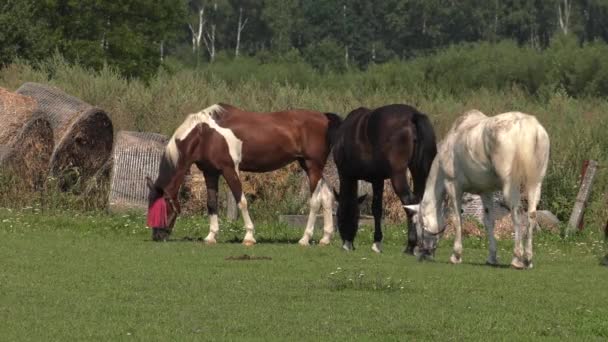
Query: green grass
(70,276)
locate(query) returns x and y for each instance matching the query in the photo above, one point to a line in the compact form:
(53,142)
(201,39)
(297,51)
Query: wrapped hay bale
(26,139)
(137,155)
(83,134)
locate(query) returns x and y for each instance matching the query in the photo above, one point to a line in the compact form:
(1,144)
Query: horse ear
(361,198)
(150,184)
(412,208)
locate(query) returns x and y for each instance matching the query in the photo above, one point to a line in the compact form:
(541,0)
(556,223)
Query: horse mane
(171,151)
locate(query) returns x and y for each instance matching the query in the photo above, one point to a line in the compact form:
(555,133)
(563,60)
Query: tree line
(137,36)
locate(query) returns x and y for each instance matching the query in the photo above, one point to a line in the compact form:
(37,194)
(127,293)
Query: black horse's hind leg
(378,188)
(348,212)
(402,189)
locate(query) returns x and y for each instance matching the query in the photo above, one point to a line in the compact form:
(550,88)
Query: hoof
(517,264)
(304,242)
(325,242)
(492,262)
(348,246)
(210,241)
(249,243)
(455,259)
(377,247)
(410,250)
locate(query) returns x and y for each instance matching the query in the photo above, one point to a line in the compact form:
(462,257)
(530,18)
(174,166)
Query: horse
(482,154)
(222,140)
(374,145)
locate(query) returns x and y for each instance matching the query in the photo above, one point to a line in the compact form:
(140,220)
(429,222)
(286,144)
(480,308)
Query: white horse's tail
(533,156)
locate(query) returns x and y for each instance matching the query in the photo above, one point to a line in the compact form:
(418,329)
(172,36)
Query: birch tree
(564,8)
(240,27)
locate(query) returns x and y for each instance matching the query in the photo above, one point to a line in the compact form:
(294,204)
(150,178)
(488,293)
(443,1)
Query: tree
(24,32)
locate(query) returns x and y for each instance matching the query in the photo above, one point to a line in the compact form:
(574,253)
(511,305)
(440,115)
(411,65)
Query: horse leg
(348,212)
(320,196)
(512,197)
(234,183)
(402,190)
(488,222)
(378,189)
(211,181)
(533,198)
(456,198)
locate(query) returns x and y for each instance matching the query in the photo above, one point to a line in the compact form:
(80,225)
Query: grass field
(71,276)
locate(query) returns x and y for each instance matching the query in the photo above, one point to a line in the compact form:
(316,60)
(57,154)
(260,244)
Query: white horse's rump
(480,155)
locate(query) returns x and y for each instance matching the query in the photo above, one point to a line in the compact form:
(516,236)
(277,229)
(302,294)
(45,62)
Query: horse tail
(534,154)
(425,150)
(332,128)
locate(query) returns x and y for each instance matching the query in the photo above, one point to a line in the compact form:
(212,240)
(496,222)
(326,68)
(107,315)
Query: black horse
(374,145)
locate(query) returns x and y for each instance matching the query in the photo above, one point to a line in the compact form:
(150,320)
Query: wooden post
(582,198)
(581,224)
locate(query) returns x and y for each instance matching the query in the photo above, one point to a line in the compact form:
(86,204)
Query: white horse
(482,154)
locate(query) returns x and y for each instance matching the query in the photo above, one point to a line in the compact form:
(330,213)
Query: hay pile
(83,134)
(26,139)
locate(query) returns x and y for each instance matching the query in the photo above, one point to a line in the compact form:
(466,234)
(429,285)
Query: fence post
(582,198)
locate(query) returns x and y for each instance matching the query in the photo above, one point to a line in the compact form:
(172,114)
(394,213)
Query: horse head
(427,229)
(161,220)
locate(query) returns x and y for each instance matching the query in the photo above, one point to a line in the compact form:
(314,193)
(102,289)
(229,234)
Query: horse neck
(435,189)
(170,178)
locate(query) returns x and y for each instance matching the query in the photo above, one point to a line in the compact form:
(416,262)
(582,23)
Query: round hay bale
(26,139)
(135,156)
(83,133)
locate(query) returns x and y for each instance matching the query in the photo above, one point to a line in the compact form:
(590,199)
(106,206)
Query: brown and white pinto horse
(222,140)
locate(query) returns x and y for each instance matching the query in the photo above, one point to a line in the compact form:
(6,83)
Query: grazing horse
(374,145)
(480,155)
(223,140)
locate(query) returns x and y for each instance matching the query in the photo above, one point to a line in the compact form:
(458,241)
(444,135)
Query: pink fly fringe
(157,214)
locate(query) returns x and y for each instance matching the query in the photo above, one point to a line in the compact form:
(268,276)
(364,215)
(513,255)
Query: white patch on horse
(322,196)
(249,238)
(214,228)
(204,117)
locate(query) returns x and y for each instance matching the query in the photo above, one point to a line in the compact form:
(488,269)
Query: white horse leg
(512,196)
(456,199)
(533,198)
(249,239)
(315,204)
(327,199)
(488,222)
(214,228)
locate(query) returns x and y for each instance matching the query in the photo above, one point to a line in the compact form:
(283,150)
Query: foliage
(329,34)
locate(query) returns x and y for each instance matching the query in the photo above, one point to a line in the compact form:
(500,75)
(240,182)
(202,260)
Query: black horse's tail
(332,128)
(425,151)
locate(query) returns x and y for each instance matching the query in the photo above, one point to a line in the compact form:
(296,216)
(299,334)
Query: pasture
(88,276)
